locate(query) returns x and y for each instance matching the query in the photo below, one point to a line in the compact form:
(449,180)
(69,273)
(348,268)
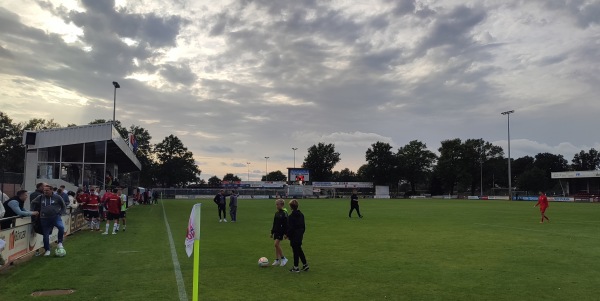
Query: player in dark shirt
(354,204)
(279,231)
(295,233)
(221,202)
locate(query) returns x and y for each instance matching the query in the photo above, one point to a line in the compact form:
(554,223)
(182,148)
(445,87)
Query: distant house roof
(118,150)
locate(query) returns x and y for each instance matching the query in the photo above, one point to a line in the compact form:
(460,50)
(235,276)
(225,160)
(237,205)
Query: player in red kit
(113,205)
(543,203)
(93,210)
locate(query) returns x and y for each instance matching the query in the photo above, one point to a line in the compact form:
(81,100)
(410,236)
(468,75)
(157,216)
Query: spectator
(155,196)
(72,199)
(39,190)
(61,193)
(233,203)
(50,207)
(64,189)
(14,207)
(220,201)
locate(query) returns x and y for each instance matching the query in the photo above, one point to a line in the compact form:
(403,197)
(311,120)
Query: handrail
(13,218)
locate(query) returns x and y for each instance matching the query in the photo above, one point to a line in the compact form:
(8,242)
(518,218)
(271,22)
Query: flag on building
(132,142)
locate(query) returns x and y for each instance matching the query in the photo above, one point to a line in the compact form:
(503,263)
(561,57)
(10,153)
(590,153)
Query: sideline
(176,266)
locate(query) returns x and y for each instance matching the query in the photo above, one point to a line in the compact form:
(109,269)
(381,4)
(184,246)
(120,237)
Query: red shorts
(543,209)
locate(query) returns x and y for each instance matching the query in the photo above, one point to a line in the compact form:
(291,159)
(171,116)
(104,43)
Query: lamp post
(295,149)
(266,168)
(248,163)
(116,85)
(481,170)
(510,194)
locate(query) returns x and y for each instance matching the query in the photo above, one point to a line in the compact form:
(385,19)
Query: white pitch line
(176,267)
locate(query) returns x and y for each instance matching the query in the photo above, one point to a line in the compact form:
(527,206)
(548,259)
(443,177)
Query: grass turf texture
(401,250)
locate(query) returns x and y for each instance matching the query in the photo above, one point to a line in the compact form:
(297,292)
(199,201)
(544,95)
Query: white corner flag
(193,230)
(192,246)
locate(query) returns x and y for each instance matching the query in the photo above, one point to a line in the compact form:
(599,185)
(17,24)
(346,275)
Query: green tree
(176,165)
(530,180)
(586,160)
(38,124)
(145,155)
(475,152)
(321,159)
(382,163)
(214,181)
(550,163)
(122,130)
(364,173)
(344,175)
(415,162)
(449,168)
(12,152)
(275,176)
(231,178)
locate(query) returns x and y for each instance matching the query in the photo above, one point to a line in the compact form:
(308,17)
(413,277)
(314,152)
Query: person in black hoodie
(295,234)
(279,231)
(220,201)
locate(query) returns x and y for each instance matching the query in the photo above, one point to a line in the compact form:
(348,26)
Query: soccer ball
(263,262)
(60,252)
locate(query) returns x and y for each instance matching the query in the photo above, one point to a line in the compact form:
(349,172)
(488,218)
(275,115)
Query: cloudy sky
(241,80)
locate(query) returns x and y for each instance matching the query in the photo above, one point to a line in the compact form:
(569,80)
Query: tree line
(458,166)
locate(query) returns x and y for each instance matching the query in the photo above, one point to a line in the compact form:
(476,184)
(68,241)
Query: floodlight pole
(510,192)
(266,168)
(295,149)
(248,163)
(481,170)
(116,85)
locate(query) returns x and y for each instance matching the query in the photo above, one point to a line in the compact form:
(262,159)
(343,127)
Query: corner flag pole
(197,254)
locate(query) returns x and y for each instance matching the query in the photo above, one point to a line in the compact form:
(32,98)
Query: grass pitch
(401,250)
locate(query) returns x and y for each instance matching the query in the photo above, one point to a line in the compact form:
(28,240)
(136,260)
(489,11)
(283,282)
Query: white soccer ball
(60,252)
(263,262)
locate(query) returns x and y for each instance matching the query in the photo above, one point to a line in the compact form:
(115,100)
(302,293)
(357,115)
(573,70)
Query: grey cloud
(218,149)
(180,74)
(238,165)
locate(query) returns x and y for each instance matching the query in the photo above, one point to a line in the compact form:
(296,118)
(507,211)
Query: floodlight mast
(510,192)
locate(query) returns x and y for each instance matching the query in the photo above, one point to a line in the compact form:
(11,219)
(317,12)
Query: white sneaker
(276,262)
(60,246)
(220,221)
(105,233)
(47,254)
(225,220)
(284,261)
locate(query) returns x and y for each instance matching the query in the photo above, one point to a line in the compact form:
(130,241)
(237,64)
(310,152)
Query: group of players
(112,206)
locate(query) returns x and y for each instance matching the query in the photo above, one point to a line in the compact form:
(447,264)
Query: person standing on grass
(354,204)
(124,205)
(220,201)
(113,205)
(50,207)
(233,203)
(543,203)
(295,234)
(278,231)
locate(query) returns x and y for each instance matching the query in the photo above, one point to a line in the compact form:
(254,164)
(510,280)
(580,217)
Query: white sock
(60,245)
(107,227)
(117,227)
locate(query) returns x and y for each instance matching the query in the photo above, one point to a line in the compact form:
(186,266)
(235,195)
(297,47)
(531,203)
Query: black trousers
(233,213)
(222,210)
(298,252)
(353,206)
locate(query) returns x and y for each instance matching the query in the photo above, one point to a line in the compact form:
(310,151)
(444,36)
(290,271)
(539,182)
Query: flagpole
(196,278)
(196,269)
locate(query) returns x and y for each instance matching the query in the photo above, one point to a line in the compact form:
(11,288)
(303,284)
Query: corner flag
(192,245)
